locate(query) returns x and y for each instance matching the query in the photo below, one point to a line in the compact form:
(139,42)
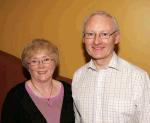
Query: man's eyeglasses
(102,35)
(35,62)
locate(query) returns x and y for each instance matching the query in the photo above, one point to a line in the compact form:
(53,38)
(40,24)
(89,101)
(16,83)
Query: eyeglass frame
(102,35)
(35,62)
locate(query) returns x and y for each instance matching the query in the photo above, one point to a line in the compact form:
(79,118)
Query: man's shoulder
(79,73)
(128,66)
(81,69)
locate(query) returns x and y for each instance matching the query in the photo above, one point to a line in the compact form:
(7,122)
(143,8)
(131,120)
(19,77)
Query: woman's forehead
(42,53)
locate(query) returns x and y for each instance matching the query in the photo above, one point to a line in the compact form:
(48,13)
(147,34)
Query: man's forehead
(99,23)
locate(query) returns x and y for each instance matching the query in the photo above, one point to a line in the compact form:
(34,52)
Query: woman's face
(41,66)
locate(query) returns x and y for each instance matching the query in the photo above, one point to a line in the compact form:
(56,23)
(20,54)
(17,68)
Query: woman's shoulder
(66,86)
(17,90)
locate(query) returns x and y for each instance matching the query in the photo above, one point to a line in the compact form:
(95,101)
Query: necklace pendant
(49,102)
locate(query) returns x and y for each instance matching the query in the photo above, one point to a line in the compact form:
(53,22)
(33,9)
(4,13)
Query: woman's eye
(34,61)
(47,59)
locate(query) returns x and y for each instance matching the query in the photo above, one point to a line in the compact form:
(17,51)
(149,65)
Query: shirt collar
(112,64)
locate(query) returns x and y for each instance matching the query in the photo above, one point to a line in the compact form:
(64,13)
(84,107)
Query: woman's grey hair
(37,45)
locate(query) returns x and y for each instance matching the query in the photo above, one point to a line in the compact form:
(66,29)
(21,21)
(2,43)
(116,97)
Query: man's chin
(97,57)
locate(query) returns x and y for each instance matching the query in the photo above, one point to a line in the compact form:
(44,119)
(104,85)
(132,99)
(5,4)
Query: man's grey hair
(102,13)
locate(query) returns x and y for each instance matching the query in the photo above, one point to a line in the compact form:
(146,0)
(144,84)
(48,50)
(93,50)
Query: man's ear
(83,40)
(117,37)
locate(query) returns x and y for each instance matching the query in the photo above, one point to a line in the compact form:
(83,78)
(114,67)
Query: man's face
(100,37)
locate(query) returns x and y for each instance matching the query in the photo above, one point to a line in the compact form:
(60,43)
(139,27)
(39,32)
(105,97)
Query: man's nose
(97,39)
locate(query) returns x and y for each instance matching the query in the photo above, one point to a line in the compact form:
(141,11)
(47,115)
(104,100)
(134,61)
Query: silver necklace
(49,102)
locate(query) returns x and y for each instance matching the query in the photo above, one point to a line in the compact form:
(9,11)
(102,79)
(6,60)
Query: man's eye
(90,34)
(104,34)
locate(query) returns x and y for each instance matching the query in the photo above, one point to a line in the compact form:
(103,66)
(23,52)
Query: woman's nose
(41,64)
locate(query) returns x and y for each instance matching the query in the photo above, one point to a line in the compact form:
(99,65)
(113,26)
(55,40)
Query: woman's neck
(42,89)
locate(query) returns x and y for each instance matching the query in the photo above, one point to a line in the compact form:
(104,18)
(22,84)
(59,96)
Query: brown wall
(61,22)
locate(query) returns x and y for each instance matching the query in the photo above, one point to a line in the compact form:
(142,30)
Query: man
(108,89)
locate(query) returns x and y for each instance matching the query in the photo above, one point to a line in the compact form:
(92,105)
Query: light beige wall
(61,22)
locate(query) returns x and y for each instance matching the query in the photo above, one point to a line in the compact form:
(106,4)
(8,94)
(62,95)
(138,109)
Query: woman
(42,99)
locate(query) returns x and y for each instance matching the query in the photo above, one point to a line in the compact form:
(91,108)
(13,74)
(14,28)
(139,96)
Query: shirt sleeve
(77,114)
(144,101)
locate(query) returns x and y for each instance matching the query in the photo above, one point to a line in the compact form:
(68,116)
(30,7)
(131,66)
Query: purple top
(49,107)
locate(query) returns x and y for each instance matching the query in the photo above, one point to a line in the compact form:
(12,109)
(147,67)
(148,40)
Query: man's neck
(102,63)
